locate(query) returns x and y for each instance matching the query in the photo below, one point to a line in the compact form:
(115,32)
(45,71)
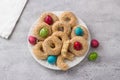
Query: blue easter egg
(79,31)
(51,59)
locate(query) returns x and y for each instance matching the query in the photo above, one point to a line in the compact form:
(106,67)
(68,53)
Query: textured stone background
(103,20)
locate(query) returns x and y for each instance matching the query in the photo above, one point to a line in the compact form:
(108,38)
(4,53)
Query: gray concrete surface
(103,20)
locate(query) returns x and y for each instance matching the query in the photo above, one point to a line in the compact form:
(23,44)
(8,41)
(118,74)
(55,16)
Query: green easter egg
(92,56)
(43,32)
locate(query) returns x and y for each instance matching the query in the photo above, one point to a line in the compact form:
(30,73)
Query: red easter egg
(48,19)
(77,45)
(94,43)
(32,40)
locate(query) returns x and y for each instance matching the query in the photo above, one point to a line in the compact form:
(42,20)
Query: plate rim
(80,21)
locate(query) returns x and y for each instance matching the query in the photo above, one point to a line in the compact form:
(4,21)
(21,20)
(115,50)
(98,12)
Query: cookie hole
(69,51)
(60,38)
(67,19)
(52,45)
(60,29)
(41,48)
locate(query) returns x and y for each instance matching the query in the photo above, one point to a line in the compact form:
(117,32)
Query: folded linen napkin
(10,11)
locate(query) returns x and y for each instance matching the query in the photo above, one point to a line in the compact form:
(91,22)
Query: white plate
(71,64)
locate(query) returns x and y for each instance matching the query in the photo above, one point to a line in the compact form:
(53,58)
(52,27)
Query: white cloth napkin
(10,11)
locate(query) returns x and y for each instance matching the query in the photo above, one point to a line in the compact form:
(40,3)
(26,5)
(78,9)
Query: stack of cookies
(59,38)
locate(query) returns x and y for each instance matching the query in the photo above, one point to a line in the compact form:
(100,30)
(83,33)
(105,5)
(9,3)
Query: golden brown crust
(39,52)
(43,15)
(37,29)
(52,45)
(69,17)
(64,51)
(61,27)
(62,36)
(85,34)
(84,46)
(61,64)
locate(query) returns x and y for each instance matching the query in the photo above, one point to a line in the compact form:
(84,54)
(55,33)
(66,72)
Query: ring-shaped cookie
(84,46)
(62,36)
(39,27)
(61,63)
(52,15)
(85,32)
(52,45)
(69,17)
(39,52)
(62,27)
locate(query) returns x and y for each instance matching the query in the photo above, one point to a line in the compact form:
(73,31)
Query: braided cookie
(69,17)
(39,52)
(78,46)
(48,18)
(79,30)
(52,45)
(62,36)
(64,51)
(42,31)
(61,64)
(61,26)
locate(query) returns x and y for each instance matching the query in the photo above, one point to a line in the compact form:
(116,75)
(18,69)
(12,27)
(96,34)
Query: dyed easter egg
(51,59)
(77,45)
(92,56)
(94,43)
(79,31)
(32,40)
(48,19)
(43,32)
